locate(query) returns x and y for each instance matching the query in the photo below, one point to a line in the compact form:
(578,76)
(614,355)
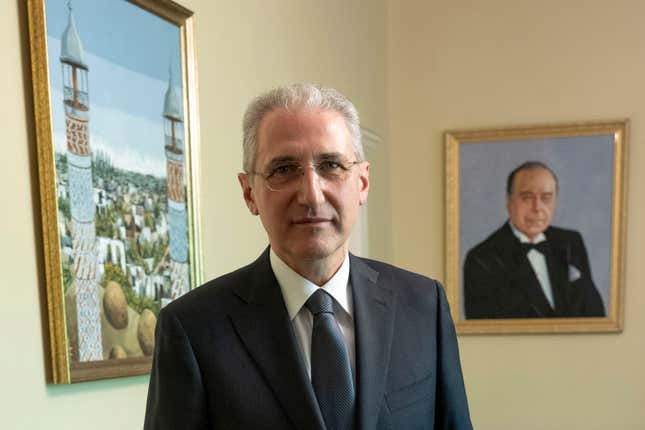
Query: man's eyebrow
(329,156)
(282,159)
(318,157)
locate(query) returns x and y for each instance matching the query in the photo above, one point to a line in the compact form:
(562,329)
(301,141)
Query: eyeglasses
(286,175)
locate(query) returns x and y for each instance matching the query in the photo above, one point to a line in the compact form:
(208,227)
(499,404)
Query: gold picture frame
(491,288)
(117,133)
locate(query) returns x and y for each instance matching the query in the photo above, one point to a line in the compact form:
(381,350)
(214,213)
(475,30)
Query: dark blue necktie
(331,372)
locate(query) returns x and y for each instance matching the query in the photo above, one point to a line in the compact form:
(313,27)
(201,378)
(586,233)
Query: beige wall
(243,47)
(465,64)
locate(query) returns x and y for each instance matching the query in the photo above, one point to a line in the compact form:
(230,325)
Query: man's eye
(284,170)
(330,166)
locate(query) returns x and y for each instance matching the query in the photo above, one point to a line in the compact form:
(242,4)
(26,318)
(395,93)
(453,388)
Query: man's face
(532,201)
(312,219)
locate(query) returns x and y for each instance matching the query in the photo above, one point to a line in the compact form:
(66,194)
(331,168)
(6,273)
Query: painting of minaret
(177,219)
(124,200)
(81,194)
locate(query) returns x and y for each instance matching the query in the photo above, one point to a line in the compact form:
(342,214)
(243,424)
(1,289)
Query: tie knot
(320,302)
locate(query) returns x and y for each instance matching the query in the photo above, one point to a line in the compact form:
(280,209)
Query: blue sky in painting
(129,53)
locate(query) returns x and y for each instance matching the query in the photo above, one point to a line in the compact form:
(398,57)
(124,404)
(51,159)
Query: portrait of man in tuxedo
(528,268)
(308,336)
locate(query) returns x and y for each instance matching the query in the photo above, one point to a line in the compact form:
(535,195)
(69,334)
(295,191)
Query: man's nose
(538,204)
(310,191)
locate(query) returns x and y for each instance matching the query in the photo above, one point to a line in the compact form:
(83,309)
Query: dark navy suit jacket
(499,281)
(226,356)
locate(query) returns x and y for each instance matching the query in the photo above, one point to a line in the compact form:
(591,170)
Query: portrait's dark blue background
(585,169)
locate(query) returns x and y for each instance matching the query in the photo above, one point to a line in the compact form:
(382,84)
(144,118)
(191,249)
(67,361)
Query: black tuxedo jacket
(499,281)
(226,356)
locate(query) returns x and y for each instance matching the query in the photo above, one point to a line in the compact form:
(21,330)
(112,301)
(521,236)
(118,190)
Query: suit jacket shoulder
(219,295)
(495,242)
(413,290)
(560,234)
(402,278)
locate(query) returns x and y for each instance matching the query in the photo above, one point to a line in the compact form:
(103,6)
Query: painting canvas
(535,226)
(114,90)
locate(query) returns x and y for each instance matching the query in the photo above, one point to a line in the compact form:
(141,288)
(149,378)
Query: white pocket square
(574,273)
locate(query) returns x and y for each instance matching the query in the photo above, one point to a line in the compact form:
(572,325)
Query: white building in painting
(62,227)
(145,235)
(138,215)
(151,286)
(162,225)
(112,251)
(101,200)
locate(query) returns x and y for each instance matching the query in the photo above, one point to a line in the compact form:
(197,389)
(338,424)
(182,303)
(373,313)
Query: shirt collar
(524,238)
(297,289)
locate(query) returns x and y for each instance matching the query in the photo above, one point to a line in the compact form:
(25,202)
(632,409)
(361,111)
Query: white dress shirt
(538,263)
(295,292)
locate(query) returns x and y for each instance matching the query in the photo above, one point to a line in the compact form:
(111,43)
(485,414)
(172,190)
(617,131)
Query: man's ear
(247,192)
(364,181)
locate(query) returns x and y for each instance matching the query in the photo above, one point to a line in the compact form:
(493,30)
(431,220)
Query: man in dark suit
(308,336)
(527,268)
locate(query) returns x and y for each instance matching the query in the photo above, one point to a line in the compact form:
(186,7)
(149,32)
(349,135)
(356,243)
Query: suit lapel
(374,308)
(265,329)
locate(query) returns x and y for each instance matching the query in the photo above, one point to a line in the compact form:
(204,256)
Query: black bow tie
(541,247)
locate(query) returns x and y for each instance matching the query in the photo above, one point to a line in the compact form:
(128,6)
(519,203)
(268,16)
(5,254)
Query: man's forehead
(294,119)
(303,131)
(537,177)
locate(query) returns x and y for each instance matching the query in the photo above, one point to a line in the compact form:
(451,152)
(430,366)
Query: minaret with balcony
(79,171)
(177,219)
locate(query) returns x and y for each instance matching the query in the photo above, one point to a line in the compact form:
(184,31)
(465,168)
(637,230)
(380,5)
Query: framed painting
(535,227)
(117,133)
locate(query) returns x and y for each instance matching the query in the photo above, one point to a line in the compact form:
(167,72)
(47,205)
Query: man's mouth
(310,220)
(535,221)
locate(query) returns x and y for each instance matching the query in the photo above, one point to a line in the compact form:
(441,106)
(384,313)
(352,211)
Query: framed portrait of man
(535,227)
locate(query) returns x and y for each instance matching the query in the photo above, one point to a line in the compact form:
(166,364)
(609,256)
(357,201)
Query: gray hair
(297,95)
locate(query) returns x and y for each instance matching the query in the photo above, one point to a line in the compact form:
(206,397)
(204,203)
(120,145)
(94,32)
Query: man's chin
(314,252)
(533,232)
(316,249)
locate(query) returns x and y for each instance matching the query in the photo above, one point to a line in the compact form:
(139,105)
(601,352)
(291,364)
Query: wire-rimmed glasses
(285,175)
